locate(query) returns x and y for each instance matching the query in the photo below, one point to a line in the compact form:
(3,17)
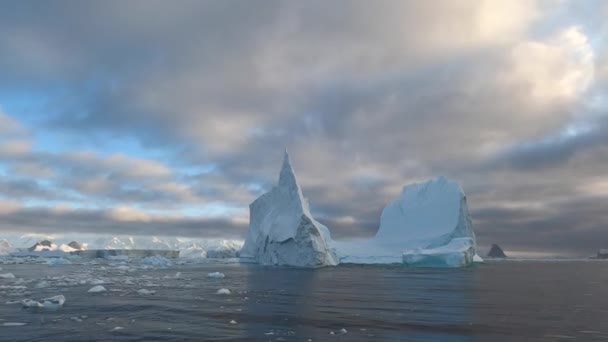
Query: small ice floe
(42,284)
(76,319)
(117,329)
(339,332)
(7,276)
(13,324)
(58,261)
(97,282)
(233,322)
(176,276)
(97,289)
(145,292)
(216,275)
(54,302)
(156,260)
(223,292)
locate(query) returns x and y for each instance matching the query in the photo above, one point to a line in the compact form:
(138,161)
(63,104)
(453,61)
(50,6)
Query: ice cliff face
(427,215)
(283,232)
(429,224)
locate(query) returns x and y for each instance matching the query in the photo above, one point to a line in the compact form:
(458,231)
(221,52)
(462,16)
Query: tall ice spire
(287,177)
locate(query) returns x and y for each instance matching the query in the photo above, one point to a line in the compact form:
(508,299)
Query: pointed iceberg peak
(282,230)
(287,177)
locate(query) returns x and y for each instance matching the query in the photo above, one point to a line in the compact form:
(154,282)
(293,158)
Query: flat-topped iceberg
(282,230)
(428,225)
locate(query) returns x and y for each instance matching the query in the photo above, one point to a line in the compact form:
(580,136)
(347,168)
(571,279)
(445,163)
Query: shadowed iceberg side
(282,231)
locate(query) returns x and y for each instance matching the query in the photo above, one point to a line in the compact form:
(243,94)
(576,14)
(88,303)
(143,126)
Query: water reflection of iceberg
(388,303)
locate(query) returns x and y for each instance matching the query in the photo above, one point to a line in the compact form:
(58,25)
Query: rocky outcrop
(75,245)
(44,245)
(496,252)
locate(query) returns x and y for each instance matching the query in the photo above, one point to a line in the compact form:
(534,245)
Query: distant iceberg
(282,231)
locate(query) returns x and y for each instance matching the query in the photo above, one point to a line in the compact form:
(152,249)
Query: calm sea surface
(496,301)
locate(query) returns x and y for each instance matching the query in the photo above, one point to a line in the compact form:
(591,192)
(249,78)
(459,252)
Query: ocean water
(495,301)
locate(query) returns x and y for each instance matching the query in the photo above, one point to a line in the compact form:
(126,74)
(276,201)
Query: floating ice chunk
(156,260)
(176,276)
(97,282)
(216,275)
(233,322)
(223,292)
(339,332)
(13,324)
(54,302)
(458,253)
(477,258)
(145,292)
(97,289)
(58,261)
(117,329)
(7,276)
(43,284)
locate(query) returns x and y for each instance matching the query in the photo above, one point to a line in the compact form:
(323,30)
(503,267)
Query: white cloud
(557,70)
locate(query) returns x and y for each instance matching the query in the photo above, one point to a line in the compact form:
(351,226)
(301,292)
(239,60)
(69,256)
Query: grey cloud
(553,150)
(543,229)
(98,221)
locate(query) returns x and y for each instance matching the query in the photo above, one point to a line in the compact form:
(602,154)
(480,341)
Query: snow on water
(216,275)
(282,230)
(427,225)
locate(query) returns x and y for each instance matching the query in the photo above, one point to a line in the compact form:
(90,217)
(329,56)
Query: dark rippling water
(496,301)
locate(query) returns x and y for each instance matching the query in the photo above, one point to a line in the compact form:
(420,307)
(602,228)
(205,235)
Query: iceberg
(5,247)
(428,225)
(282,230)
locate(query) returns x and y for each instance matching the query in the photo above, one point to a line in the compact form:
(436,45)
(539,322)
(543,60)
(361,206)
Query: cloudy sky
(168,118)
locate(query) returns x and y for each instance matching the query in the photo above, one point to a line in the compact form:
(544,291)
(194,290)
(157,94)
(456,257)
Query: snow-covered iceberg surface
(428,225)
(282,230)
